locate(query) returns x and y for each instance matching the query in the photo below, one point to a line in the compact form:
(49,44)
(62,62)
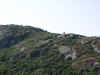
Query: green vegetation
(26,50)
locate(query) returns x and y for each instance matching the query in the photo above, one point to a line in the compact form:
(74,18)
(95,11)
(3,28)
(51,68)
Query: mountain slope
(32,51)
(12,34)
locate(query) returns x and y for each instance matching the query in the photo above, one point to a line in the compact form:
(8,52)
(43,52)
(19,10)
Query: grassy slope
(39,58)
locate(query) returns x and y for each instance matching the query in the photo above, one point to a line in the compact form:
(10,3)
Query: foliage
(38,58)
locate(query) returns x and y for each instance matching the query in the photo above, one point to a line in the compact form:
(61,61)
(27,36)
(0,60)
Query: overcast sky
(70,16)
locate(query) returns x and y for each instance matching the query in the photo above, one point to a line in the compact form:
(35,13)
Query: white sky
(70,16)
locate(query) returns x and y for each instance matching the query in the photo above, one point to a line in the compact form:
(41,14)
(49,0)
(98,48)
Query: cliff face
(26,50)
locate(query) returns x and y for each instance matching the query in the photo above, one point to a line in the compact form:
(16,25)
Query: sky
(58,16)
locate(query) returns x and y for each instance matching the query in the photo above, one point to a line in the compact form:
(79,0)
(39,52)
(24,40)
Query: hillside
(26,50)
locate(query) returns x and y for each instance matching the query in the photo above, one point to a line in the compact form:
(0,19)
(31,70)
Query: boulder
(96,47)
(68,52)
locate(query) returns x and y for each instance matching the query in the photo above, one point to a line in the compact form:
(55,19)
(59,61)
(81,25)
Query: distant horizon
(52,32)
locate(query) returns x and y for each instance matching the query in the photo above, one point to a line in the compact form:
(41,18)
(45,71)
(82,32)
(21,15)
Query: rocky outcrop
(68,52)
(31,51)
(96,46)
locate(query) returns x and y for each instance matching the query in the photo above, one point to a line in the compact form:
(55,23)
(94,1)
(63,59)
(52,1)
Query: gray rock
(41,43)
(61,35)
(64,49)
(96,49)
(22,49)
(68,52)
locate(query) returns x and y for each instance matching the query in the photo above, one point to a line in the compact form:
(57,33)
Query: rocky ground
(26,50)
